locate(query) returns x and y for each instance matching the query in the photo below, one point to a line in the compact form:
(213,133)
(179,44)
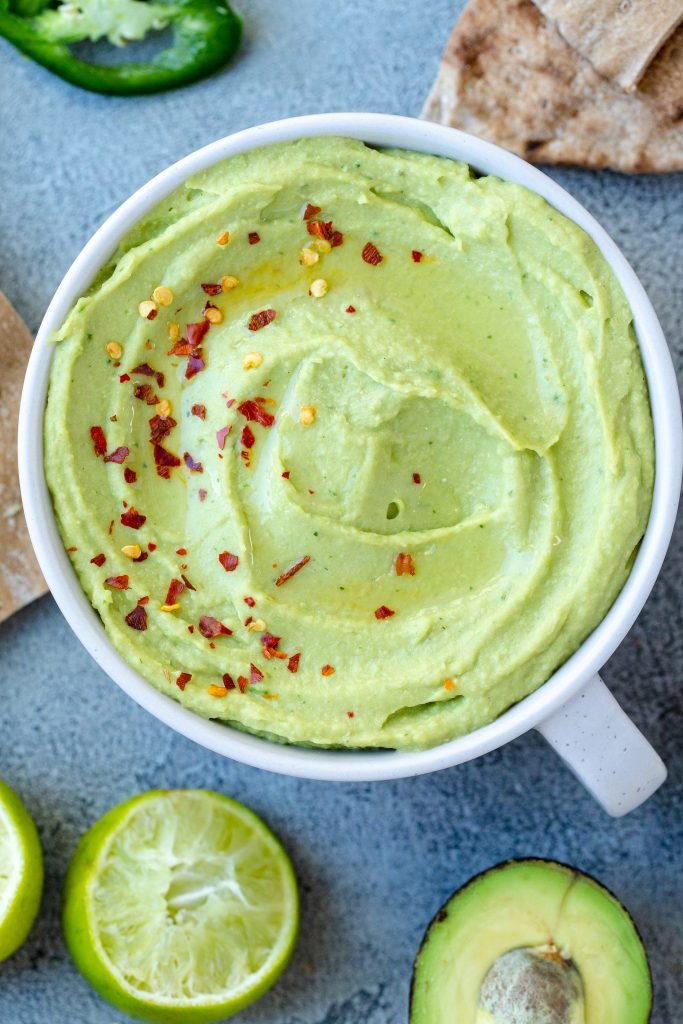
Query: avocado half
(531,942)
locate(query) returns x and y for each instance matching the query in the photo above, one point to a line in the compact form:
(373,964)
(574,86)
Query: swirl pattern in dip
(350,447)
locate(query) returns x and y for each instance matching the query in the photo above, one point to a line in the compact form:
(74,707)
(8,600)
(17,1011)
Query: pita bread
(20,579)
(618,37)
(509,76)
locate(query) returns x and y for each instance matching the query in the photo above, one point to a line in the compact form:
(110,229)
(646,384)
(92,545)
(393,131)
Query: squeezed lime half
(180,905)
(21,872)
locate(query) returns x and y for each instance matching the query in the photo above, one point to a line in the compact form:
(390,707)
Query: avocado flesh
(527,906)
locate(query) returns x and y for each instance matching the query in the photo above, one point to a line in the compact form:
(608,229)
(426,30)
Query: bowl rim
(383,130)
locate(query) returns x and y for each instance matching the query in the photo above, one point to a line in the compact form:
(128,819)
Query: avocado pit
(533,986)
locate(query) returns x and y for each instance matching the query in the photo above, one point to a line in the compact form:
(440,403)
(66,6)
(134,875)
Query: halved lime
(180,906)
(21,872)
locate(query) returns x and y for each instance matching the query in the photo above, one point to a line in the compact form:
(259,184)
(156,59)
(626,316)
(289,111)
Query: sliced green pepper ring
(206,34)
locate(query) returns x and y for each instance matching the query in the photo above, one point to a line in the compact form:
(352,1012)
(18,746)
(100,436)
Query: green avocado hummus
(350,447)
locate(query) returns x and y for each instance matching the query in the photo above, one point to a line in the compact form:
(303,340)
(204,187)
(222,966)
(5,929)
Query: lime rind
(181,905)
(21,872)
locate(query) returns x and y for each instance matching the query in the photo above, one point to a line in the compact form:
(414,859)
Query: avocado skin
(442,914)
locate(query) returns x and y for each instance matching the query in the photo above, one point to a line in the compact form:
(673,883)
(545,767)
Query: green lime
(180,906)
(21,872)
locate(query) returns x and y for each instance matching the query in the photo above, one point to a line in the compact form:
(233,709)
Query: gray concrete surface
(375,861)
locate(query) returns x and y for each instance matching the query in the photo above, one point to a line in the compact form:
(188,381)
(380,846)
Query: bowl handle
(604,749)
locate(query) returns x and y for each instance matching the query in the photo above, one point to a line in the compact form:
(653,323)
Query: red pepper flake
(320,228)
(417,479)
(190,629)
(243,683)
(248,620)
(146,393)
(328,670)
(72,549)
(165,461)
(261,319)
(248,438)
(200,411)
(403,564)
(383,612)
(255,674)
(142,601)
(194,467)
(286,474)
(336,238)
(124,377)
(129,475)
(221,436)
(311,211)
(182,347)
(117,582)
(270,641)
(212,289)
(371,254)
(181,551)
(228,681)
(151,546)
(143,556)
(210,627)
(254,237)
(183,679)
(246,457)
(417,256)
(195,332)
(99,441)
(175,589)
(292,571)
(253,411)
(350,309)
(351,714)
(228,561)
(137,619)
(98,560)
(111,527)
(293,663)
(161,427)
(249,601)
(118,455)
(145,370)
(195,363)
(202,494)
(133,519)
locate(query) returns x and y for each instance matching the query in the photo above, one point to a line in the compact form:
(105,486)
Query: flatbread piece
(509,76)
(20,578)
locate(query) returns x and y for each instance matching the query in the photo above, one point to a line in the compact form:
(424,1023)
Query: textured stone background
(375,861)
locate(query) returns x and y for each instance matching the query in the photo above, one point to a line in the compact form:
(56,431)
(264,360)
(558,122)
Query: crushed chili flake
(246,458)
(196,331)
(111,527)
(161,427)
(72,549)
(254,237)
(141,557)
(190,629)
(124,377)
(351,714)
(248,438)
(311,211)
(255,674)
(175,589)
(129,475)
(293,663)
(417,256)
(228,561)
(194,467)
(243,683)
(261,319)
(286,474)
(449,685)
(321,228)
(211,289)
(145,370)
(132,519)
(181,551)
(383,612)
(152,546)
(328,670)
(146,393)
(403,564)
(336,238)
(371,254)
(249,601)
(251,410)
(268,640)
(221,436)
(228,681)
(143,600)
(180,348)
(99,441)
(183,679)
(216,691)
(195,363)
(292,571)
(417,479)
(202,494)
(118,455)
(137,619)
(200,411)
(98,560)
(210,627)
(165,461)
(117,582)
(350,309)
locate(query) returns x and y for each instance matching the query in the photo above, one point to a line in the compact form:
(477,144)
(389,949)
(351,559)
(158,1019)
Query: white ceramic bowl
(574,710)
